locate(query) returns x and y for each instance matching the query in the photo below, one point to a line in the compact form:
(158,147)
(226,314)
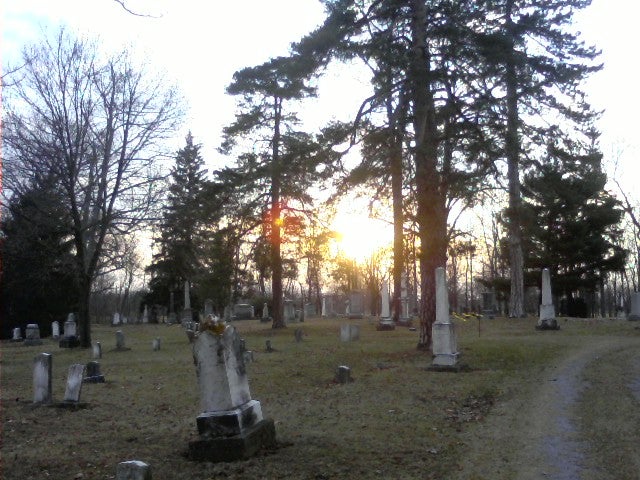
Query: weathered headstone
(349,333)
(488,304)
(356,304)
(42,368)
(231,425)
(242,311)
(32,335)
(70,335)
(55,330)
(17,335)
(547,320)
(445,348)
(133,470)
(343,374)
(155,344)
(74,383)
(116,319)
(96,350)
(385,322)
(265,313)
(635,307)
(120,341)
(309,309)
(93,373)
(289,313)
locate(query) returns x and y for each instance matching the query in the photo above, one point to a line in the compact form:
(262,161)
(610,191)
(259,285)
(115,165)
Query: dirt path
(538,431)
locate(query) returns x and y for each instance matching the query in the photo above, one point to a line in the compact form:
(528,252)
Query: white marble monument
(445,347)
(385,322)
(547,320)
(42,369)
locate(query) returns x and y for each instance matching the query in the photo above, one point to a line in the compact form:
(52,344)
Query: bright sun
(360,236)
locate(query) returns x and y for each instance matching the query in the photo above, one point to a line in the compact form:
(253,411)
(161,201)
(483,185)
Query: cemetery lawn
(397,420)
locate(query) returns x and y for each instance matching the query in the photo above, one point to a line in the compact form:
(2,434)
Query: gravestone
(268,346)
(265,313)
(635,306)
(309,309)
(133,470)
(385,322)
(96,350)
(32,335)
(289,313)
(120,346)
(17,335)
(231,425)
(70,335)
(445,348)
(356,304)
(145,314)
(55,330)
(187,314)
(547,320)
(155,344)
(349,333)
(93,373)
(324,307)
(488,304)
(116,319)
(74,383)
(243,311)
(343,374)
(404,317)
(42,368)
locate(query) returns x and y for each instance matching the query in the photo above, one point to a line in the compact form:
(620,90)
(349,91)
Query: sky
(198,45)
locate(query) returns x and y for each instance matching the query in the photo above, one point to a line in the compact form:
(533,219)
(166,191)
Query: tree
(38,281)
(279,166)
(97,124)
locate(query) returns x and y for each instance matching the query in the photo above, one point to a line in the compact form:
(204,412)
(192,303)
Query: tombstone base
(445,360)
(69,342)
(260,436)
(228,423)
(30,342)
(94,379)
(548,324)
(386,324)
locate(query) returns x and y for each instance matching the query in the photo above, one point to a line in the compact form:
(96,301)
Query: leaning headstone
(635,307)
(343,374)
(42,368)
(96,350)
(547,320)
(445,347)
(55,330)
(17,335)
(32,335)
(70,336)
(93,373)
(74,383)
(133,470)
(349,333)
(385,322)
(155,344)
(231,425)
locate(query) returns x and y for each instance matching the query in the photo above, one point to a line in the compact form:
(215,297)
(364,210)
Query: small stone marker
(155,344)
(298,334)
(547,320)
(42,367)
(74,383)
(269,347)
(32,335)
(133,470)
(445,348)
(55,330)
(96,350)
(343,374)
(386,322)
(349,333)
(635,307)
(17,335)
(120,340)
(231,425)
(93,373)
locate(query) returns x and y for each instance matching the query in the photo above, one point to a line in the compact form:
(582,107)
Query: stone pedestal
(231,425)
(385,322)
(445,348)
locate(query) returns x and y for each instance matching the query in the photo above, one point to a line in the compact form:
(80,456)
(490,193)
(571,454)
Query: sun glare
(359,236)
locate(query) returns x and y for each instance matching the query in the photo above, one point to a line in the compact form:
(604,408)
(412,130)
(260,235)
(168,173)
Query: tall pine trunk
(512,151)
(276,222)
(398,222)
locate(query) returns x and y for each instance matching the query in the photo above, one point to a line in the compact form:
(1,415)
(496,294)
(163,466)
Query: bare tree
(97,124)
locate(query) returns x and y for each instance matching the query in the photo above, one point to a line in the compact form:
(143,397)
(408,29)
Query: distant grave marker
(547,320)
(32,335)
(133,470)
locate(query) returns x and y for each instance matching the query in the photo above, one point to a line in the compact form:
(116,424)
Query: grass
(396,420)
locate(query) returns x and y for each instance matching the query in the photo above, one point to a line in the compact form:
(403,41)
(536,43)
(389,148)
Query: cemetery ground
(532,404)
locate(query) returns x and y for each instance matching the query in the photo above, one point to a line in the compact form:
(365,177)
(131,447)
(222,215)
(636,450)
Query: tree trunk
(84,317)
(398,224)
(276,222)
(512,151)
